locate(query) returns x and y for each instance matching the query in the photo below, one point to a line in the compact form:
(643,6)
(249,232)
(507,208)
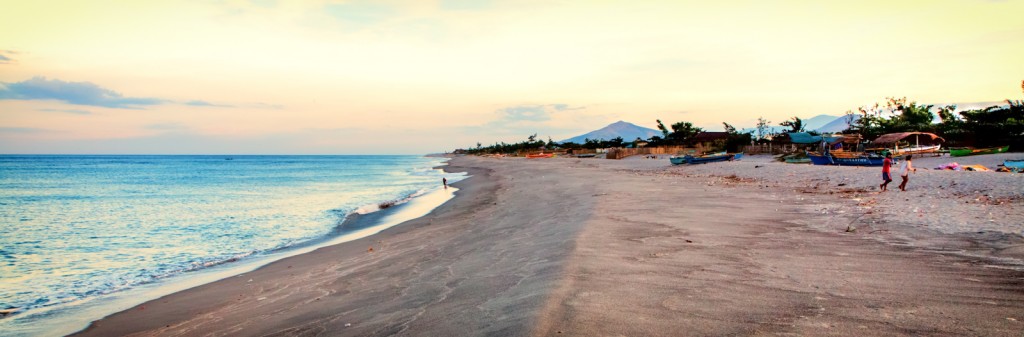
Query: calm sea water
(80,227)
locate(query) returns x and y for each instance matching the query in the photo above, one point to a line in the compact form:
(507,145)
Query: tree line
(681,134)
(993,126)
(998,125)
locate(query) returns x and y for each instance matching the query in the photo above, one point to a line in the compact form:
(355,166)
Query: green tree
(897,115)
(763,130)
(615,142)
(996,126)
(664,131)
(729,128)
(795,124)
(735,140)
(683,133)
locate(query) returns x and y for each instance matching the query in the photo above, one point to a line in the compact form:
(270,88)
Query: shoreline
(77,316)
(585,247)
(382,224)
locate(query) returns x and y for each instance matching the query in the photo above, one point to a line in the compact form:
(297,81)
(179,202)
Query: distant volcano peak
(628,131)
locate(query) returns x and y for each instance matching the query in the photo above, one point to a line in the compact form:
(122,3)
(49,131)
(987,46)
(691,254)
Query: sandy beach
(637,247)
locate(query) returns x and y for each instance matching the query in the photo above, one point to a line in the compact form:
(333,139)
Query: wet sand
(590,247)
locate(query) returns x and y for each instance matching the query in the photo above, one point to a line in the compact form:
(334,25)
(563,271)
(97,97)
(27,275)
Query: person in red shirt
(886,164)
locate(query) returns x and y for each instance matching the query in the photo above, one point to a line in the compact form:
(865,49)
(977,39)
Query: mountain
(628,132)
(818,121)
(837,125)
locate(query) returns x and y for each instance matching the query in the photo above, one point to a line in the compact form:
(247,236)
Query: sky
(422,76)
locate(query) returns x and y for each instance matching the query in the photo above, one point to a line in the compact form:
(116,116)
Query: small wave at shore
(86,290)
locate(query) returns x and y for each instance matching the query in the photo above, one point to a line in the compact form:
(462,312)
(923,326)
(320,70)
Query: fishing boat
(846,159)
(966,151)
(1015,165)
(540,155)
(709,158)
(797,159)
(903,143)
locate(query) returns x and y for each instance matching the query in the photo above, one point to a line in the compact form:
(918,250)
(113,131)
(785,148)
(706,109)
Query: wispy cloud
(532,112)
(80,93)
(261,105)
(70,111)
(6,56)
(205,103)
(520,121)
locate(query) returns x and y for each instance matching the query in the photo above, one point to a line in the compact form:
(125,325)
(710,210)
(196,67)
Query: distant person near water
(886,176)
(905,169)
(445,182)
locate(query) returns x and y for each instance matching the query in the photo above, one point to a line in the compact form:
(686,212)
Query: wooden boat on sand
(904,143)
(710,158)
(966,151)
(540,155)
(797,159)
(1015,165)
(846,159)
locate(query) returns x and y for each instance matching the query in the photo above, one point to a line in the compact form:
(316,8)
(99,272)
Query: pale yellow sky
(348,77)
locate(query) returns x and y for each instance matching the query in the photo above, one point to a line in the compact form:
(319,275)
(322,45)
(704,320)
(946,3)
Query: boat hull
(963,151)
(798,160)
(916,150)
(1014,165)
(688,159)
(859,160)
(707,159)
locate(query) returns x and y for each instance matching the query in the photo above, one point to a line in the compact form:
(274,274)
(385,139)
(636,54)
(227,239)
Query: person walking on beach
(445,182)
(905,169)
(886,164)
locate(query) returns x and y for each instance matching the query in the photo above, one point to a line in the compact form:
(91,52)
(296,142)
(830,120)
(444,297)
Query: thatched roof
(924,137)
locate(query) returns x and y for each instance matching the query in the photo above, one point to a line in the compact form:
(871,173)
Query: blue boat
(1014,165)
(819,159)
(847,160)
(688,159)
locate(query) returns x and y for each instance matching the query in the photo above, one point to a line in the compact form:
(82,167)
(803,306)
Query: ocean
(78,231)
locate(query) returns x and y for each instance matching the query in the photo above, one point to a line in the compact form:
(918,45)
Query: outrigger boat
(1014,165)
(966,151)
(846,159)
(892,142)
(709,158)
(796,159)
